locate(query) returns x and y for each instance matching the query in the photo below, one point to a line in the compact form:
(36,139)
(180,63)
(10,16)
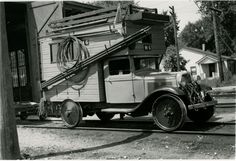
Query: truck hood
(163,77)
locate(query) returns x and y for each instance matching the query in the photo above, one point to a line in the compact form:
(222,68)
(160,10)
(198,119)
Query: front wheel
(71,113)
(169,112)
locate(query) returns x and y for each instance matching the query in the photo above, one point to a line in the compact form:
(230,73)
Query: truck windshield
(146,63)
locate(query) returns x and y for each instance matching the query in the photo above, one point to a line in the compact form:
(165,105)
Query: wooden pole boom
(9,146)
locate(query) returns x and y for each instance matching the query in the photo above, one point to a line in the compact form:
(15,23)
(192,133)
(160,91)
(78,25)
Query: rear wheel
(169,112)
(71,113)
(105,116)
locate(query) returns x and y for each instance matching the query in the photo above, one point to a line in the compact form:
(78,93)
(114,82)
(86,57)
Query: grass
(229,81)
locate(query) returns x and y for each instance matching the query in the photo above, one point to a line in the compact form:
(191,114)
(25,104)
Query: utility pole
(173,15)
(9,145)
(221,74)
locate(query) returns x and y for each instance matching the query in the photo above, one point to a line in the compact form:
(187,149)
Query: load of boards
(106,62)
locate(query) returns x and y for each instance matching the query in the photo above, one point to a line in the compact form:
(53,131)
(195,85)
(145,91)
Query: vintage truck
(106,62)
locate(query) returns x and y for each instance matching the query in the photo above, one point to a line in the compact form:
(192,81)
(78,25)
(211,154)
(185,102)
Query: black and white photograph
(117,79)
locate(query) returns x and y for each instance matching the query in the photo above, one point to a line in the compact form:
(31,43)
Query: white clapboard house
(204,64)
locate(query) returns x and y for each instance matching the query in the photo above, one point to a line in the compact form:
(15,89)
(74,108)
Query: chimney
(203,47)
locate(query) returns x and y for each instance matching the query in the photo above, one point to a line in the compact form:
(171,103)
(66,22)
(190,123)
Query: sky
(186,10)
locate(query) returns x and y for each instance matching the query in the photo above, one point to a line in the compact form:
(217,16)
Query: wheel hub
(68,113)
(168,112)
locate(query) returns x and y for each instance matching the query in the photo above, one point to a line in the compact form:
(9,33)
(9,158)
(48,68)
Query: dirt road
(50,140)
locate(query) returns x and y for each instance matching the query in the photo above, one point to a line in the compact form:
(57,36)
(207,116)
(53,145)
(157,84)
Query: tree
(193,37)
(106,4)
(170,60)
(198,33)
(170,57)
(169,31)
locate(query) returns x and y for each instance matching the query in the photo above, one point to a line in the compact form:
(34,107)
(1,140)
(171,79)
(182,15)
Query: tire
(169,112)
(42,110)
(71,113)
(203,114)
(43,117)
(105,116)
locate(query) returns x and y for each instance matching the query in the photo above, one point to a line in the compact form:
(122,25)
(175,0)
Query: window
(118,67)
(147,39)
(146,63)
(53,52)
(18,68)
(193,70)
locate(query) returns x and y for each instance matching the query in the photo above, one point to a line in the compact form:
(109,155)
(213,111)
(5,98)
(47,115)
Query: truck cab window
(146,63)
(118,67)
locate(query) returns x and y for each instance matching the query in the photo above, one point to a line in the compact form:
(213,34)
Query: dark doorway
(212,68)
(18,50)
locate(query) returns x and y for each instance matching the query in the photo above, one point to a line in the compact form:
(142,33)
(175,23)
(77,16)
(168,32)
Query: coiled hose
(70,53)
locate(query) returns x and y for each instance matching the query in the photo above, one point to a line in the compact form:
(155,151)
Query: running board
(118,110)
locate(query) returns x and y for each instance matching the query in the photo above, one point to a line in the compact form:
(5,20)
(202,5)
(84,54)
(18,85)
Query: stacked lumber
(96,17)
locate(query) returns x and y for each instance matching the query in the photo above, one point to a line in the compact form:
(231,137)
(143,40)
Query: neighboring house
(204,64)
(26,22)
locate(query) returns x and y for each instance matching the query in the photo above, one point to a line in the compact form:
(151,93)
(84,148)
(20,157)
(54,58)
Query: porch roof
(207,59)
(208,53)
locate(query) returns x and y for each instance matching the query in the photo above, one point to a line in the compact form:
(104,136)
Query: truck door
(118,81)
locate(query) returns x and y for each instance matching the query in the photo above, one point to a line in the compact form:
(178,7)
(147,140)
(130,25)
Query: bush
(229,80)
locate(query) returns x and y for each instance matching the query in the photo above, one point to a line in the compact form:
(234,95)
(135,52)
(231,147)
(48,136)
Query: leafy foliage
(195,34)
(169,31)
(170,60)
(170,57)
(106,4)
(198,33)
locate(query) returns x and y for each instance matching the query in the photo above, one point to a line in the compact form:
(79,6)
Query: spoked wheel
(203,114)
(105,116)
(71,113)
(169,112)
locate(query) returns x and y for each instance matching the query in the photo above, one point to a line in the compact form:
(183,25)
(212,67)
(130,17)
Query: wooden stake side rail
(85,63)
(85,20)
(53,24)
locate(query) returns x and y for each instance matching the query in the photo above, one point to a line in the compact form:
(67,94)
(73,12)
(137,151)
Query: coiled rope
(71,52)
(71,49)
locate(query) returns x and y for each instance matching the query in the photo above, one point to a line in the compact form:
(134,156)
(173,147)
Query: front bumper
(202,105)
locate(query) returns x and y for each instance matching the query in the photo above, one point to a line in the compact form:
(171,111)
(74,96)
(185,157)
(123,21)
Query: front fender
(173,90)
(146,105)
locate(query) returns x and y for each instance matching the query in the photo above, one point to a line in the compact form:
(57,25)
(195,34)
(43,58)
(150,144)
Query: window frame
(52,61)
(119,59)
(191,70)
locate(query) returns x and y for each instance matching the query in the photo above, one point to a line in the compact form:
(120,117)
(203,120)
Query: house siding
(191,58)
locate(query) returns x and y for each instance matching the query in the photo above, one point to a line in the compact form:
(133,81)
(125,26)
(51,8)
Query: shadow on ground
(125,141)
